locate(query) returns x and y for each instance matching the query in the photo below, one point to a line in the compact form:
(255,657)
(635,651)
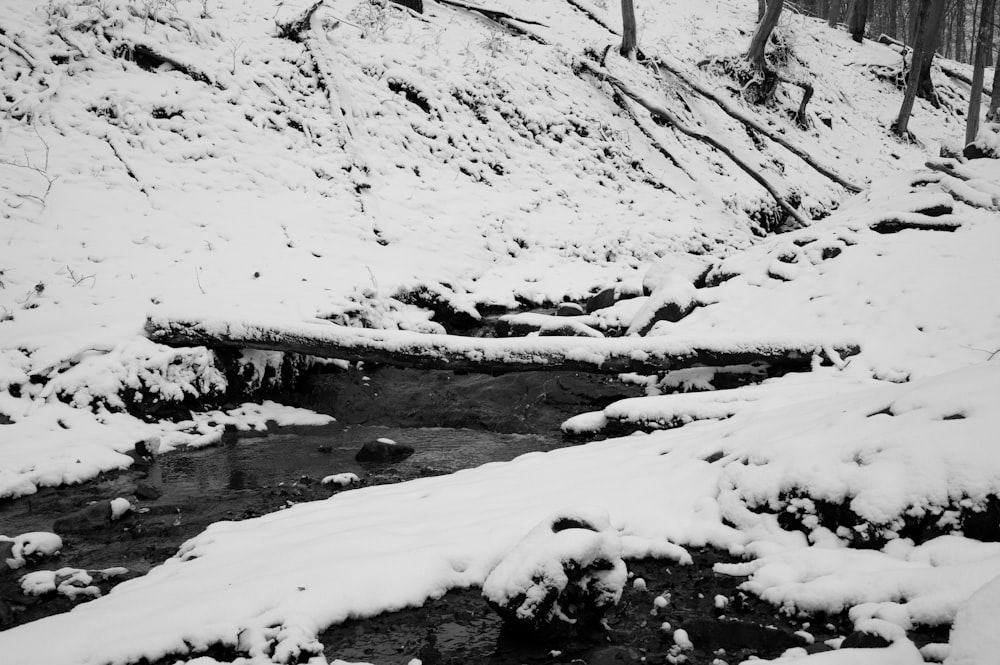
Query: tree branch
(663,114)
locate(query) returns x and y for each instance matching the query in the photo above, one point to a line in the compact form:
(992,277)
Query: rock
(674,298)
(569,309)
(147,448)
(614,655)
(691,267)
(450,309)
(728,634)
(6,551)
(861,640)
(147,492)
(6,615)
(566,572)
(94,517)
(383,450)
(602,299)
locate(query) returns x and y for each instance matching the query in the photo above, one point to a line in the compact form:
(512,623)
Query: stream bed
(452,422)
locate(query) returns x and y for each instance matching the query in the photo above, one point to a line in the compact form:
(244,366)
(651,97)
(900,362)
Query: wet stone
(147,492)
(861,640)
(569,309)
(383,450)
(94,517)
(728,634)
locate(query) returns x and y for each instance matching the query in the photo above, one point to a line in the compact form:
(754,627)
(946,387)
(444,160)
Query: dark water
(452,421)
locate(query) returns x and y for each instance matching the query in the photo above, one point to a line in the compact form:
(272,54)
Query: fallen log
(493,355)
(732,111)
(661,113)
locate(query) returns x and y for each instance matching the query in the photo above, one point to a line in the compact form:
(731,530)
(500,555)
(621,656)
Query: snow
(974,636)
(682,640)
(33,544)
(533,579)
(270,197)
(120,506)
(341,479)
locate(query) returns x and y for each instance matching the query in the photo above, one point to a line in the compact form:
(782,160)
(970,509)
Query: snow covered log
(493,355)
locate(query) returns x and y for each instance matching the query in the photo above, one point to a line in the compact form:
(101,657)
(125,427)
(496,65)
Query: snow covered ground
(164,156)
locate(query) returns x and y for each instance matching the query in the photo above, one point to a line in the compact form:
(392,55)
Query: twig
(128,169)
(40,170)
(78,279)
(197,278)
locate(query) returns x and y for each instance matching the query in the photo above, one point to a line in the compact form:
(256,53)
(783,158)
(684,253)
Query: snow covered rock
(974,637)
(383,450)
(17,551)
(567,570)
(672,300)
(341,479)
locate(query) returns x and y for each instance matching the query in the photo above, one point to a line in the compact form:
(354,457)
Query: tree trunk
(960,30)
(983,44)
(893,19)
(490,355)
(765,26)
(993,115)
(922,42)
(628,30)
(761,8)
(859,18)
(834,18)
(912,15)
(935,16)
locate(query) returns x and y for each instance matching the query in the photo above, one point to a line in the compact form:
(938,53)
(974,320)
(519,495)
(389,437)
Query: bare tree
(927,23)
(755,54)
(834,17)
(628,30)
(993,115)
(983,44)
(859,18)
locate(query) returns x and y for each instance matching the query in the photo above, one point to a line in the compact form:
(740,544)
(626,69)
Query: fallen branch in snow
(590,14)
(11,44)
(904,222)
(662,149)
(949,167)
(500,18)
(489,355)
(659,112)
(735,113)
(121,158)
(149,59)
(951,72)
(492,14)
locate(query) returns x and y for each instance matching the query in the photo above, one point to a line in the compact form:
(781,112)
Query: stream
(452,422)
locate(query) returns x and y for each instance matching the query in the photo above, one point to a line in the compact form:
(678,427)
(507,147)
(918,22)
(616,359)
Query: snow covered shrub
(567,570)
(140,375)
(374,17)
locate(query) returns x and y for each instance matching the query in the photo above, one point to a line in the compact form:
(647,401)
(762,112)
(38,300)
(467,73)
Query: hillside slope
(187,156)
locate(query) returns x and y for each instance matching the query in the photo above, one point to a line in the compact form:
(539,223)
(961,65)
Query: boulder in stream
(566,571)
(383,450)
(94,517)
